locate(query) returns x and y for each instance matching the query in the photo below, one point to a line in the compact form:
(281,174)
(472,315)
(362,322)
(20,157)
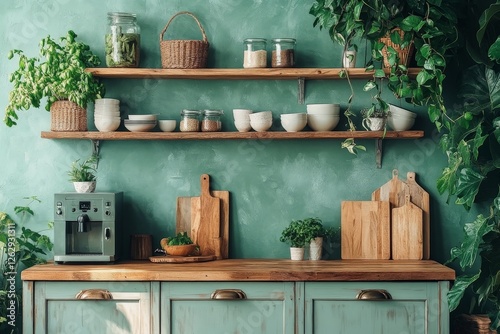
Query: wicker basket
(473,324)
(184,53)
(67,116)
(404,54)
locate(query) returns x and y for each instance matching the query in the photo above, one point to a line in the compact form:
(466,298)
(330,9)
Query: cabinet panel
(102,307)
(413,308)
(268,307)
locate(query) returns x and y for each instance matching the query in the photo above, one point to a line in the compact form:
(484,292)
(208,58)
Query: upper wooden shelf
(236,73)
(126,135)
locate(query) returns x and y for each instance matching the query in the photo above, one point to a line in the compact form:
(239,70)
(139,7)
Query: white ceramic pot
(297,253)
(349,59)
(316,248)
(374,123)
(84,187)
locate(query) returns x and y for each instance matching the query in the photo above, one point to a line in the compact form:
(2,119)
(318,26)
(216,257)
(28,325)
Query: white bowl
(400,123)
(241,114)
(242,126)
(293,125)
(145,117)
(261,125)
(103,114)
(107,125)
(323,109)
(322,122)
(261,115)
(167,125)
(395,110)
(138,127)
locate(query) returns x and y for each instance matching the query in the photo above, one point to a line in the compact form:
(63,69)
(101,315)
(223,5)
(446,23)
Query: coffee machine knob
(59,211)
(108,213)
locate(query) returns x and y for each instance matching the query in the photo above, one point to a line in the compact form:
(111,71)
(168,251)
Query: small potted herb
(299,233)
(83,174)
(59,74)
(374,119)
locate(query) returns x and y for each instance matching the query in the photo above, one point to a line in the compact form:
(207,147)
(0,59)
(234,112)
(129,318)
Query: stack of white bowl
(400,119)
(261,121)
(323,117)
(293,122)
(242,119)
(107,114)
(141,123)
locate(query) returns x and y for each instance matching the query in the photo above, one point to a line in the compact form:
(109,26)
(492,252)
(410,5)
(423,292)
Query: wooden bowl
(180,250)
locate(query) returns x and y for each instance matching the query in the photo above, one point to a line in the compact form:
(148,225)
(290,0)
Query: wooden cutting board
(180,259)
(420,198)
(407,232)
(365,230)
(188,215)
(393,191)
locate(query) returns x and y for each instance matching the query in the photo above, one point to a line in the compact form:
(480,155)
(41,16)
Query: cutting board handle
(395,173)
(410,176)
(205,185)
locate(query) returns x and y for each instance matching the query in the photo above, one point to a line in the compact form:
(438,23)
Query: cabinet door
(410,307)
(92,307)
(227,307)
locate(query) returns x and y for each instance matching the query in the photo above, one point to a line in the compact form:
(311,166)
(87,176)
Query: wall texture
(271,182)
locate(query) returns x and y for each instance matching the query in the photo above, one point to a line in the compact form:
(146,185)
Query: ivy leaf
(468,186)
(369,86)
(411,23)
(458,289)
(425,51)
(478,141)
(434,113)
(422,77)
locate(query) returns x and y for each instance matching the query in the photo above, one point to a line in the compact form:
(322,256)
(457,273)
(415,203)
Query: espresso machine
(87,227)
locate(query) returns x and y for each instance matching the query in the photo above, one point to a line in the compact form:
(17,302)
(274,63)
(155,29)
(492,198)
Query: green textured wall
(271,182)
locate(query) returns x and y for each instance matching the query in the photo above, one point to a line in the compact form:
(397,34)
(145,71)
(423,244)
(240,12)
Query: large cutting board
(420,198)
(188,216)
(365,230)
(407,232)
(393,191)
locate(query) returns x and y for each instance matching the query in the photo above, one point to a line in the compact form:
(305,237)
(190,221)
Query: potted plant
(60,76)
(428,25)
(374,119)
(300,233)
(179,245)
(316,234)
(83,174)
(20,248)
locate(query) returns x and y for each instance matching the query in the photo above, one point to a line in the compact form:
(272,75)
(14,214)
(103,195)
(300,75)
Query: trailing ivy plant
(58,74)
(429,25)
(20,248)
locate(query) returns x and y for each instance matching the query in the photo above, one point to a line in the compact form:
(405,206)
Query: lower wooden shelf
(96,136)
(126,135)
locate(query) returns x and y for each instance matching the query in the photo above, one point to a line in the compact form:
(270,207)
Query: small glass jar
(283,54)
(122,40)
(190,121)
(211,121)
(255,53)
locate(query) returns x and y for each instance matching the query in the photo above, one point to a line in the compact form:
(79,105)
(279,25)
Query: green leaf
(425,51)
(458,289)
(369,86)
(422,77)
(411,23)
(468,186)
(434,113)
(494,51)
(379,73)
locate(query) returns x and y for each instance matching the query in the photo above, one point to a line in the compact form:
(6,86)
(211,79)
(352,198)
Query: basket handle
(187,13)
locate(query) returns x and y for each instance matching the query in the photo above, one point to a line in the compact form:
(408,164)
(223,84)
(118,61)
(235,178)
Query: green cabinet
(90,307)
(179,307)
(227,307)
(376,307)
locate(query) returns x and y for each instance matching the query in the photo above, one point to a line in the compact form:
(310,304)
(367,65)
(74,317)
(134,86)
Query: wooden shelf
(236,73)
(278,135)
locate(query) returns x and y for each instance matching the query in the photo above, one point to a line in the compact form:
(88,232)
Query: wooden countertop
(245,270)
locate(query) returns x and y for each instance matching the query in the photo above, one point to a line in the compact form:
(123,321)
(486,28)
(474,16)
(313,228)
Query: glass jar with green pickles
(122,41)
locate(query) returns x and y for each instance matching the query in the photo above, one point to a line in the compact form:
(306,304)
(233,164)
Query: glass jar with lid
(211,120)
(283,54)
(255,53)
(190,121)
(122,40)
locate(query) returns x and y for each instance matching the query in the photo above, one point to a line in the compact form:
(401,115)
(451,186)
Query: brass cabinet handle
(228,294)
(94,294)
(374,294)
